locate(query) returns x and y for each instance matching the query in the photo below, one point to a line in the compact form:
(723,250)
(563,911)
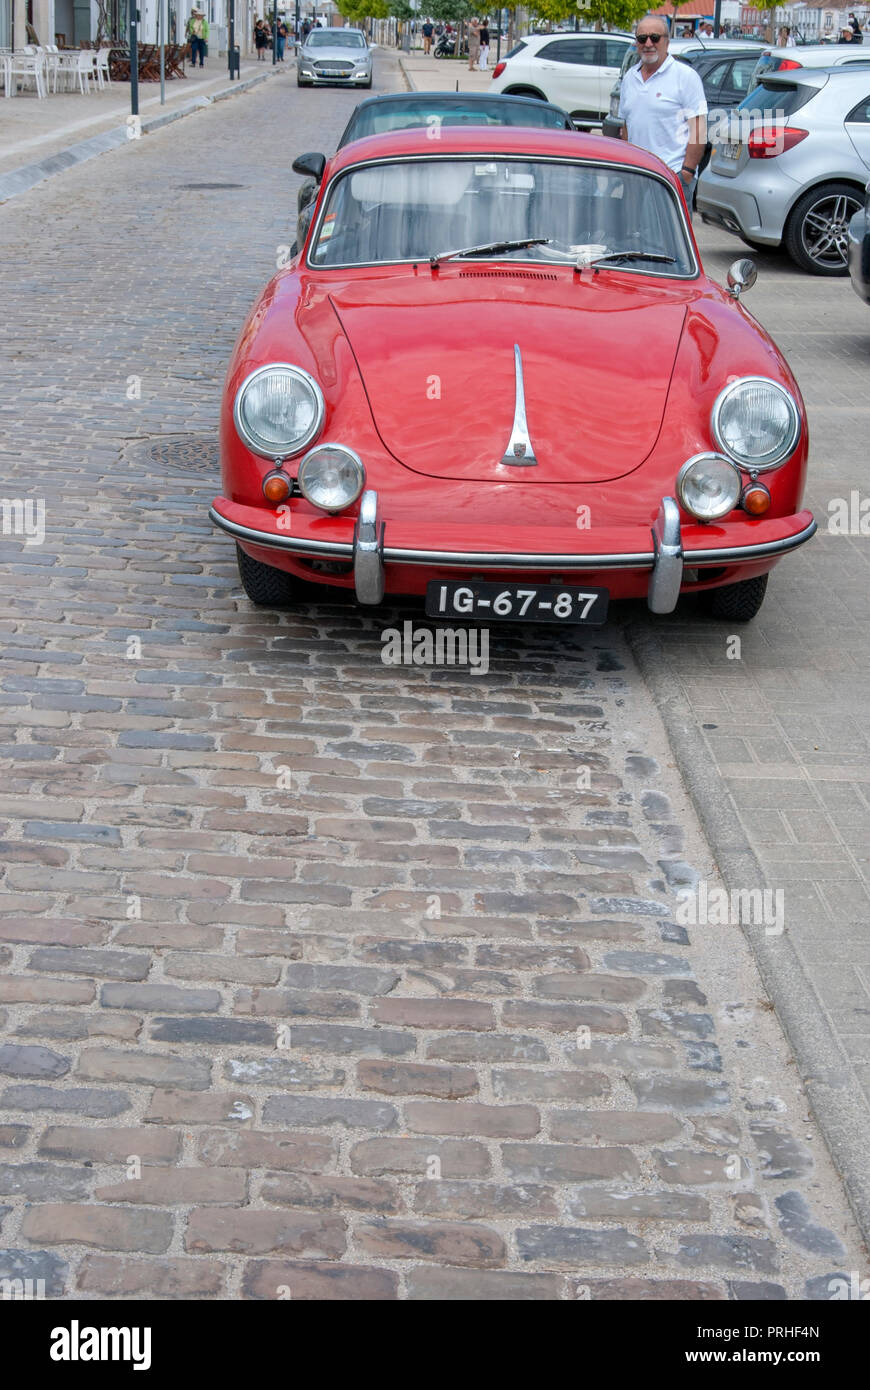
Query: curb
(405,76)
(20,180)
(821,1063)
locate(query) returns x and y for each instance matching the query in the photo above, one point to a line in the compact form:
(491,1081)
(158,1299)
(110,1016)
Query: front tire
(817,235)
(737,603)
(265,586)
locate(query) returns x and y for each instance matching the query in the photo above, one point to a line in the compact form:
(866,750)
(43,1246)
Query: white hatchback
(574,70)
(810,55)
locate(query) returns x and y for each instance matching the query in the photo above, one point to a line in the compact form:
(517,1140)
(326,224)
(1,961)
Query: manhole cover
(212,185)
(177,453)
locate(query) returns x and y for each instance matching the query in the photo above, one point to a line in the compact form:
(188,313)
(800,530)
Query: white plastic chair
(51,54)
(82,70)
(101,68)
(30,66)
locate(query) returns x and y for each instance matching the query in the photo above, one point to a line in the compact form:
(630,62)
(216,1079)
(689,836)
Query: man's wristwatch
(686,170)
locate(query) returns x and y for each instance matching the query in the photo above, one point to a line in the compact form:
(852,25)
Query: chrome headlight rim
(756,465)
(257,446)
(341,449)
(709,456)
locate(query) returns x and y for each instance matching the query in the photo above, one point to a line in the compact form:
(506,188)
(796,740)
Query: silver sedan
(791,167)
(340,56)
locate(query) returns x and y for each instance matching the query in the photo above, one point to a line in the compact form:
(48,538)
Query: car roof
(494,140)
(432,100)
(809,49)
(450,99)
(713,45)
(726,51)
(815,77)
(575,34)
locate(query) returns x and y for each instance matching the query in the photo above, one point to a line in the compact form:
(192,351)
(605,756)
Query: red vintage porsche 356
(496,375)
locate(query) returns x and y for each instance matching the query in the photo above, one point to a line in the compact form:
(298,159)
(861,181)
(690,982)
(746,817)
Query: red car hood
(436,355)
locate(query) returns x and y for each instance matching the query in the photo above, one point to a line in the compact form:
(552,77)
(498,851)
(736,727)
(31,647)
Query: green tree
(615,14)
(401,9)
(356,11)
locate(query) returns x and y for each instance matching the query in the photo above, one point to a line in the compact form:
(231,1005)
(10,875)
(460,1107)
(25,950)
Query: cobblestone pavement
(322,978)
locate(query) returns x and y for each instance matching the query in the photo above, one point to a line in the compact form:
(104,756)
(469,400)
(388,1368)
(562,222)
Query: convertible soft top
(498,141)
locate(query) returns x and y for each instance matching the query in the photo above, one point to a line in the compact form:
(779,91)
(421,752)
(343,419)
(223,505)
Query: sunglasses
(653,38)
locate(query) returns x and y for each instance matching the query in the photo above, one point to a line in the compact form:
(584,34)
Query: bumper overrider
(666,555)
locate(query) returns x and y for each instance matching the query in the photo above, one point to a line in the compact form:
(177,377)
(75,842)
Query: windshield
(414,209)
(402,115)
(334,38)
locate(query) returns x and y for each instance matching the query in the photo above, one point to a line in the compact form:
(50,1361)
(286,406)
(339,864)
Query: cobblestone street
(327,979)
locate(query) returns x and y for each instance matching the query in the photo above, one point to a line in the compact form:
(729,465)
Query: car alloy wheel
(817,237)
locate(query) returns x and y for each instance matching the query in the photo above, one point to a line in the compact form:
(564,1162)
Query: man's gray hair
(659,18)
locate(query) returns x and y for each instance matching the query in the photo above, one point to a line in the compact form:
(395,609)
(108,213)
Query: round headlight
(756,422)
(279,409)
(708,486)
(331,477)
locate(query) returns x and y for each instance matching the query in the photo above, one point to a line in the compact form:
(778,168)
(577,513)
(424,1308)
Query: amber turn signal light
(277,486)
(755,499)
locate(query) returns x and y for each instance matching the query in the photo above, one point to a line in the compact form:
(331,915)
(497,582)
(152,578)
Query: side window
(580,52)
(717,74)
(614,52)
(716,78)
(741,74)
(860,114)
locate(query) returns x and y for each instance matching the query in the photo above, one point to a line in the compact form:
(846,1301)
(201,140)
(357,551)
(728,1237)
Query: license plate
(519,603)
(730,151)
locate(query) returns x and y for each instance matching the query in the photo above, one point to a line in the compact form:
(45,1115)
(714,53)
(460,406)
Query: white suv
(575,71)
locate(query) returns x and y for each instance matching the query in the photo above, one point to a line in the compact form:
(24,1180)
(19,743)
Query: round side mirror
(742,275)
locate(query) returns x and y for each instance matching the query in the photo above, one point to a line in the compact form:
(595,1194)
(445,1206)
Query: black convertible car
(404,110)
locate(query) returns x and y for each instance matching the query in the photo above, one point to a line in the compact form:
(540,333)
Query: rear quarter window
(517,48)
(780,98)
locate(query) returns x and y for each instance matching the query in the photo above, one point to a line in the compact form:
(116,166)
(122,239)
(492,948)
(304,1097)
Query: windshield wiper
(493,248)
(617,256)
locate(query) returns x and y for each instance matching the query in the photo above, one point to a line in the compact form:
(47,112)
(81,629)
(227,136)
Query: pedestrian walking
(662,105)
(282,39)
(473,43)
(428,31)
(306,29)
(197,36)
(857,36)
(261,39)
(484,45)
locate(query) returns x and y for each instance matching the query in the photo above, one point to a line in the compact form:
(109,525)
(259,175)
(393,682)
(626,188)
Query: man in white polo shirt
(663,106)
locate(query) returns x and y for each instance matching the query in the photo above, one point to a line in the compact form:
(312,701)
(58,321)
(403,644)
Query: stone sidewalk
(779,725)
(41,138)
(325,978)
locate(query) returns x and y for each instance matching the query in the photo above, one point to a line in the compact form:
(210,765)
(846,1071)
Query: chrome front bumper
(369,553)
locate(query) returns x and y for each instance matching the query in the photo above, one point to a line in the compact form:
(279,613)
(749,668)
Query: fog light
(331,477)
(755,499)
(708,486)
(277,486)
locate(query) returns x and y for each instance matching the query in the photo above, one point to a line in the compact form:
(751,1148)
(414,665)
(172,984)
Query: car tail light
(498,69)
(788,63)
(766,143)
